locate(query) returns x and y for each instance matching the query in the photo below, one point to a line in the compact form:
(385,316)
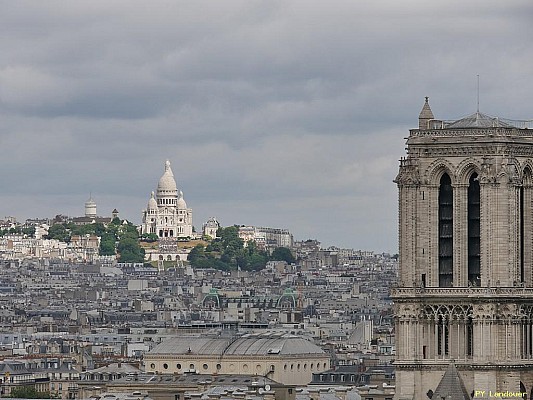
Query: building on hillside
(91,216)
(166,214)
(211,227)
(465,290)
(266,238)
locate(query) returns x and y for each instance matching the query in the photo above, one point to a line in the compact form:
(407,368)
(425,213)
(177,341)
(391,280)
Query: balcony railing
(522,292)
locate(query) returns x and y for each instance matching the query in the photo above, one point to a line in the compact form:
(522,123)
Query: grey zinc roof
(478,120)
(283,345)
(252,344)
(115,368)
(193,345)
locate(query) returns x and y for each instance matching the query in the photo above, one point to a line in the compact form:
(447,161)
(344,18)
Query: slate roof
(451,386)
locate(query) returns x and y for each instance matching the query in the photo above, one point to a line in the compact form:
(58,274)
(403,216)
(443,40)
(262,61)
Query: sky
(279,113)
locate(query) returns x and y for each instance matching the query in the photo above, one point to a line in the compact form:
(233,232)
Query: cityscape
(100,305)
(280,200)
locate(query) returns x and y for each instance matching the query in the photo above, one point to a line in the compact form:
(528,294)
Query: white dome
(181,201)
(167,184)
(152,204)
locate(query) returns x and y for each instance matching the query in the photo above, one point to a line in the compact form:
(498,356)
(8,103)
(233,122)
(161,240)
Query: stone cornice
(464,365)
(492,294)
(488,133)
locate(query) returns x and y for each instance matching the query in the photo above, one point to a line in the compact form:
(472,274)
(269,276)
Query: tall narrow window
(445,232)
(525,225)
(443,336)
(474,259)
(522,241)
(469,337)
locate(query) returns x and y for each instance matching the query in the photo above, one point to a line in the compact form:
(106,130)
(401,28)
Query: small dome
(167,184)
(152,204)
(181,201)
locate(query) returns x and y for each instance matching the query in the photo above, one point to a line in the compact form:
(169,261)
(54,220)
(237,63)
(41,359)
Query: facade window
(469,337)
(443,336)
(474,259)
(165,366)
(178,366)
(525,222)
(445,232)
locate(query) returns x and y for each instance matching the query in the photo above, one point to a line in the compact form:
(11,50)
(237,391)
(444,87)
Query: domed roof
(181,201)
(167,184)
(263,344)
(152,204)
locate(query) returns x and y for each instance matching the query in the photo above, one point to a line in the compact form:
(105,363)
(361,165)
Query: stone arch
(527,173)
(466,168)
(438,168)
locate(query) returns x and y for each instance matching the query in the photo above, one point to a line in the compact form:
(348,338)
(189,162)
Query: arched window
(445,232)
(525,223)
(443,337)
(474,260)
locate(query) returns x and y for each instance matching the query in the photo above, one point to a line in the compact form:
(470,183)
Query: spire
(425,116)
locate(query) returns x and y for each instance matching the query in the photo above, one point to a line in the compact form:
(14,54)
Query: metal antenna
(478,93)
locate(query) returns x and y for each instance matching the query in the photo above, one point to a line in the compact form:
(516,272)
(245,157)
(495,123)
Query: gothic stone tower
(465,291)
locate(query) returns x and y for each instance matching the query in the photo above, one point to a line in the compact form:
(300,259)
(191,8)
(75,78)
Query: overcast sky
(288,114)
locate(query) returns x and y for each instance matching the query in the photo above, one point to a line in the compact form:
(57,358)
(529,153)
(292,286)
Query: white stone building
(211,227)
(167,214)
(464,301)
(266,238)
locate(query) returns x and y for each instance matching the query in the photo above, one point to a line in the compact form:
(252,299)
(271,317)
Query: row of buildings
(286,324)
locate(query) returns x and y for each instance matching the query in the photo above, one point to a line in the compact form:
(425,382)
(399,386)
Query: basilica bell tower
(464,299)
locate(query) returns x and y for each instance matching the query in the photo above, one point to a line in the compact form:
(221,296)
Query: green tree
(197,253)
(149,237)
(30,231)
(28,392)
(130,250)
(282,254)
(59,232)
(107,244)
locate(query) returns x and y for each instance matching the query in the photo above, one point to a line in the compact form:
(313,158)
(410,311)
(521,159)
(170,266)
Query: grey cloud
(279,113)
